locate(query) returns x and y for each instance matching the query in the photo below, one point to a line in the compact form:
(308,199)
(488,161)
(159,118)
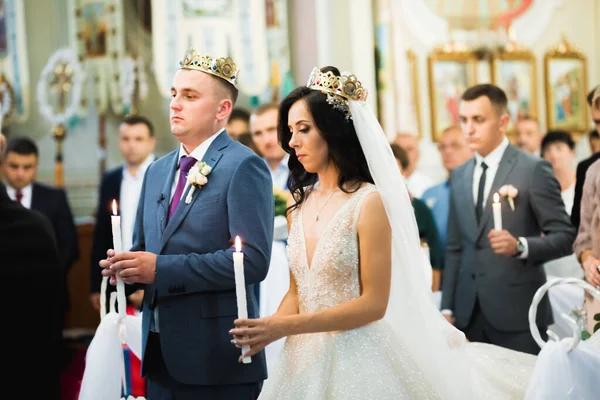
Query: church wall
(81,150)
(579,20)
(321,33)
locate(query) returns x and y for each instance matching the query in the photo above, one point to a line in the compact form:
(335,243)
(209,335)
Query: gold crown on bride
(346,85)
(223,67)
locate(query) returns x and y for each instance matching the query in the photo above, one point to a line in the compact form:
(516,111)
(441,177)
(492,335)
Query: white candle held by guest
(115,222)
(240,289)
(497,208)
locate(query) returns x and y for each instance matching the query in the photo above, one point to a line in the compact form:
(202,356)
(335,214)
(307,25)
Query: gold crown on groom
(223,67)
(346,85)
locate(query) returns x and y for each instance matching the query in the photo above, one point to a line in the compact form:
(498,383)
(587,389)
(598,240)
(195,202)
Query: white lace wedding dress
(368,362)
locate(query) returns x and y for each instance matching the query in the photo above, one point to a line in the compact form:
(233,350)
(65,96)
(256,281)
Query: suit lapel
(506,165)
(212,157)
(36,202)
(466,188)
(165,195)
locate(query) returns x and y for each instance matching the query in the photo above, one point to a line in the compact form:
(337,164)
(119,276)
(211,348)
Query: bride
(358,317)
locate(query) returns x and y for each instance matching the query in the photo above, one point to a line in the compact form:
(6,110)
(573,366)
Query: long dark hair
(339,134)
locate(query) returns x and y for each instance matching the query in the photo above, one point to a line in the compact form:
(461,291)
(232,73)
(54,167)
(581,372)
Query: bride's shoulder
(370,203)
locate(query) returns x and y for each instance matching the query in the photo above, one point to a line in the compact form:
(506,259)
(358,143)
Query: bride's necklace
(316,216)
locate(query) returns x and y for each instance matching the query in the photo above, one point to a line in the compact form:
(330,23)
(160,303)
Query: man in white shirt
(416,181)
(263,129)
(123,184)
(492,273)
(529,135)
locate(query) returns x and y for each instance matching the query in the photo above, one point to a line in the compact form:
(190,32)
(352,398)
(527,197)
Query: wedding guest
(238,123)
(455,151)
(20,169)
(529,135)
(593,100)
(587,243)
(123,184)
(28,248)
(428,232)
(491,275)
(558,148)
(594,141)
(238,128)
(417,182)
(263,130)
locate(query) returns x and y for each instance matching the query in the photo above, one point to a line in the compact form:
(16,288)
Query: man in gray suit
(492,275)
(182,251)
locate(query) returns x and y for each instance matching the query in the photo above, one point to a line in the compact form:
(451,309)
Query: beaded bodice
(333,276)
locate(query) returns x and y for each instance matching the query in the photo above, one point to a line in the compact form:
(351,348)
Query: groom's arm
(549,210)
(250,214)
(452,258)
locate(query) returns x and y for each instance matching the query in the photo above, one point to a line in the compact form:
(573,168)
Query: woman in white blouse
(558,148)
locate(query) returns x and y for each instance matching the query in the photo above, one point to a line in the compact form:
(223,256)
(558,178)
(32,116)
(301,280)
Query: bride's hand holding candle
(258,333)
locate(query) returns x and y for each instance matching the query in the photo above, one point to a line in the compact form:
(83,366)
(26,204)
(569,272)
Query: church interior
(71,71)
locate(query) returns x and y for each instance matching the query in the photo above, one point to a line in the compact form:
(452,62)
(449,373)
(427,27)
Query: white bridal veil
(434,344)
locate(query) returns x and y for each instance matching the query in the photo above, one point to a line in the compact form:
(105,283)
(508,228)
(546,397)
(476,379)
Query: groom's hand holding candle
(135,266)
(502,242)
(132,266)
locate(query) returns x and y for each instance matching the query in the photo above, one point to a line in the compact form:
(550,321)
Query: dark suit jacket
(32,275)
(582,168)
(110,188)
(194,292)
(52,202)
(504,286)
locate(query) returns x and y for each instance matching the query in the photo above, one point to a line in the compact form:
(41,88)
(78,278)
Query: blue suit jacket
(195,285)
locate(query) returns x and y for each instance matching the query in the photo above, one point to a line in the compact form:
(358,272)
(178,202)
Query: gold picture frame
(566,87)
(451,69)
(514,71)
(411,57)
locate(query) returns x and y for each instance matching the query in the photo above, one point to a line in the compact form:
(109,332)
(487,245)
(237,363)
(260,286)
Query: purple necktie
(185,164)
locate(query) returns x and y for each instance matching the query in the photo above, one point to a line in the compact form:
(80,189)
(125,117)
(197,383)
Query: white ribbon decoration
(105,364)
(66,56)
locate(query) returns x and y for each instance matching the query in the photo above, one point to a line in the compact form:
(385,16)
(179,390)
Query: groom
(490,275)
(182,249)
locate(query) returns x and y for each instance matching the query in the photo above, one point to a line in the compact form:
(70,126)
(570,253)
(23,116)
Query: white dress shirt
(198,153)
(492,160)
(417,183)
(281,173)
(131,188)
(27,192)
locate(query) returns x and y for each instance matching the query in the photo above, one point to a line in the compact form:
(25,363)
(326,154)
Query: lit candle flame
(238,244)
(114,207)
(496,198)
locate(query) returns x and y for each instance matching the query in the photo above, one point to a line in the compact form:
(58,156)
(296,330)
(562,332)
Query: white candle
(115,221)
(240,289)
(497,208)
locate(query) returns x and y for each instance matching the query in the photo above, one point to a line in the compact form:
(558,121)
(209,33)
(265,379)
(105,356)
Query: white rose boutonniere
(510,192)
(197,177)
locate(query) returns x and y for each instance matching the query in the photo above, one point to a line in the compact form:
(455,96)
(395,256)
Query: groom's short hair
(494,93)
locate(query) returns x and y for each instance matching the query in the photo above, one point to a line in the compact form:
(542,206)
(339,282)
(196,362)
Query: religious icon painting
(565,76)
(514,71)
(451,69)
(94,28)
(13,59)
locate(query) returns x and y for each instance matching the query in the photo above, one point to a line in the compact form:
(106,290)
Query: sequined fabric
(364,363)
